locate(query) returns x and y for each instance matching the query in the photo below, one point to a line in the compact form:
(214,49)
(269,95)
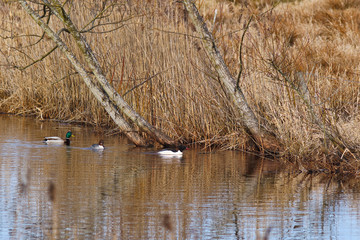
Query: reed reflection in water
(72,192)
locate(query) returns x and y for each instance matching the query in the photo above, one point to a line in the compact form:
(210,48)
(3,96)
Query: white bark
(113,103)
(94,65)
(248,118)
(100,95)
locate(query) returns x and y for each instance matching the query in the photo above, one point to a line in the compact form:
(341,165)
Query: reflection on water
(72,192)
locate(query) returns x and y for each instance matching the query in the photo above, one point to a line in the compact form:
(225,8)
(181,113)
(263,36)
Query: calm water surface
(61,192)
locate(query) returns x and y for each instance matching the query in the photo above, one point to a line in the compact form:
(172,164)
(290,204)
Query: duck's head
(101,142)
(182,148)
(69,134)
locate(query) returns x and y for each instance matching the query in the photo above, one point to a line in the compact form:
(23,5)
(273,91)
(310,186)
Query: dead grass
(166,76)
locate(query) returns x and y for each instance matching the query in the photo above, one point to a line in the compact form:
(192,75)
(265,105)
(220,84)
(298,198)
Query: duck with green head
(58,140)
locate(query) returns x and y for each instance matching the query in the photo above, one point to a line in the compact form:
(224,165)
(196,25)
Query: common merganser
(99,146)
(173,152)
(58,140)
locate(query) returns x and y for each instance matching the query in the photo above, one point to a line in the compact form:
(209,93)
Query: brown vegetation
(158,65)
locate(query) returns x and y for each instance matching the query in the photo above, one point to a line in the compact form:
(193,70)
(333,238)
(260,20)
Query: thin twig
(240,54)
(39,60)
(143,82)
(68,75)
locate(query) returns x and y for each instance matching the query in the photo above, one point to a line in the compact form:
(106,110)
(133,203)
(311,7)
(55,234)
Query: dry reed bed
(178,91)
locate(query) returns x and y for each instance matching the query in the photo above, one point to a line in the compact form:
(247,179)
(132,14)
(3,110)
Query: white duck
(173,152)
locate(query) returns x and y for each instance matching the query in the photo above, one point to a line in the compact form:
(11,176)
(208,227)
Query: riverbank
(291,52)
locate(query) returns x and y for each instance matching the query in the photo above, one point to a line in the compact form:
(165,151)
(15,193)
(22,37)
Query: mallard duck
(58,140)
(173,152)
(99,146)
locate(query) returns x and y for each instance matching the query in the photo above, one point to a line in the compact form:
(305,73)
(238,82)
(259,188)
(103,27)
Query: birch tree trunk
(262,138)
(98,93)
(94,65)
(114,104)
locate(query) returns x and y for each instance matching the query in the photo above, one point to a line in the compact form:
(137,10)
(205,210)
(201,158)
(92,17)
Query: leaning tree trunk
(114,104)
(99,94)
(94,65)
(262,138)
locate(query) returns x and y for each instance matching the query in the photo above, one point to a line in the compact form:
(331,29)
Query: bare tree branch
(99,93)
(38,60)
(143,82)
(331,133)
(263,139)
(240,54)
(94,65)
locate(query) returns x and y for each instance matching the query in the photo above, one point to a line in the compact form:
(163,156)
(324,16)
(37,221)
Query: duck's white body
(54,140)
(97,147)
(170,153)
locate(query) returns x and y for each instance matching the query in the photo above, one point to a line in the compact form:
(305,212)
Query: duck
(58,140)
(173,152)
(99,146)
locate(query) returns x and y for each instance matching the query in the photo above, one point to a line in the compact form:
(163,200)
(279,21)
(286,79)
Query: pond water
(124,192)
